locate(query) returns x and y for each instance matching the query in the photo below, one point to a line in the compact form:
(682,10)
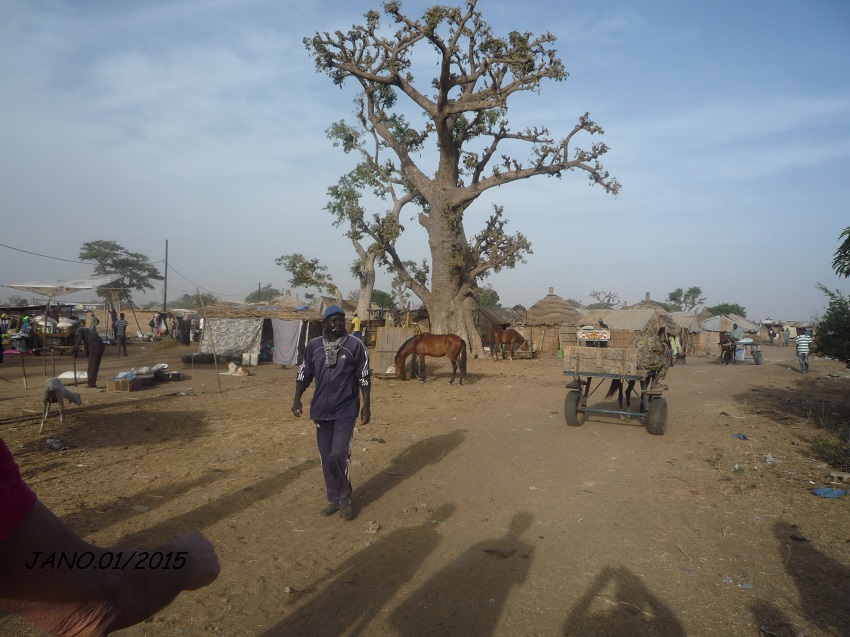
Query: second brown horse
(509,337)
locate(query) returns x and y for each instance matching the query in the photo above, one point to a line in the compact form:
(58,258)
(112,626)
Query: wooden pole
(207,326)
(44,339)
(165,281)
(24,370)
(74,358)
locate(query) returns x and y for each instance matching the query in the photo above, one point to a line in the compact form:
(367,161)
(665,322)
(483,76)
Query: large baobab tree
(464,128)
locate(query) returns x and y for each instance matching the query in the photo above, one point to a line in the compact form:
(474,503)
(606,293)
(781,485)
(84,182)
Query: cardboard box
(122,384)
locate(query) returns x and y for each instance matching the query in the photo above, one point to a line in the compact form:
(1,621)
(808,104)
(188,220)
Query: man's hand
(365,415)
(296,408)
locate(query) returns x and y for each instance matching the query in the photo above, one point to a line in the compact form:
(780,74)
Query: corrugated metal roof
(499,315)
(686,320)
(620,319)
(724,323)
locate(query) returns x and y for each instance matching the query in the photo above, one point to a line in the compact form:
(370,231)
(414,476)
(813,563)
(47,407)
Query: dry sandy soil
(479,512)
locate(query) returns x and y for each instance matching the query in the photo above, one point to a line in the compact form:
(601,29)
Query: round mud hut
(544,321)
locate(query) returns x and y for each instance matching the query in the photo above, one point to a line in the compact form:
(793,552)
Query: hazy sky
(203,123)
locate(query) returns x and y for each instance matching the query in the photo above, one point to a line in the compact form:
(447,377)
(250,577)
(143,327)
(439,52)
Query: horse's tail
(463,356)
(616,384)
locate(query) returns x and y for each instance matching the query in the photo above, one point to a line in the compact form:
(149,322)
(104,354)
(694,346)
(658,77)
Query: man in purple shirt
(340,365)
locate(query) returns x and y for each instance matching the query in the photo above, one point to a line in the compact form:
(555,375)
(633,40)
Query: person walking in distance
(356,330)
(121,334)
(339,364)
(804,343)
(94,350)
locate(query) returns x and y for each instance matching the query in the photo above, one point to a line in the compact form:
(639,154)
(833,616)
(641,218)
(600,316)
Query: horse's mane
(403,345)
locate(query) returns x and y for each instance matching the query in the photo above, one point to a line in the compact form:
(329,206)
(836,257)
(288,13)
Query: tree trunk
(367,285)
(451,303)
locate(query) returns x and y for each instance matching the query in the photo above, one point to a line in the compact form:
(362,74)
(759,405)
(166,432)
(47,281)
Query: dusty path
(479,511)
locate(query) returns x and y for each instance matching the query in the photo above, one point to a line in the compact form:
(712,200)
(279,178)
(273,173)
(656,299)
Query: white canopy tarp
(65,286)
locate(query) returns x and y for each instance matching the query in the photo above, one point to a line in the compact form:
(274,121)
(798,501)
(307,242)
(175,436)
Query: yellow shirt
(355,324)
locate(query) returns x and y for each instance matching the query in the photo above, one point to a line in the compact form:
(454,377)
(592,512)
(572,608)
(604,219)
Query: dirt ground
(479,511)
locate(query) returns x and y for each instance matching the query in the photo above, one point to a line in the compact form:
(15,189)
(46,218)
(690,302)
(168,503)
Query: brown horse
(427,344)
(510,337)
(617,388)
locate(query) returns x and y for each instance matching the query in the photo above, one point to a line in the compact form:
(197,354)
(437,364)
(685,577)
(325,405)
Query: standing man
(93,321)
(787,336)
(94,350)
(340,365)
(114,316)
(804,343)
(355,327)
(121,334)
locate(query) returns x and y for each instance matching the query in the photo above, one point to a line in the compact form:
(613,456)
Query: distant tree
(368,235)
(401,291)
(191,301)
(606,300)
(264,294)
(488,297)
(685,301)
(597,306)
(574,303)
(833,333)
(308,273)
(135,269)
(383,299)
(841,260)
(727,308)
(17,301)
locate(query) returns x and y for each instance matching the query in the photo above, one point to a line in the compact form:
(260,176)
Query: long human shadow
(410,461)
(636,612)
(364,583)
(823,585)
(467,596)
(226,506)
(91,519)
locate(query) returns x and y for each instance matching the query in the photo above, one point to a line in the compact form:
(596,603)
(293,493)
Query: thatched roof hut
(553,310)
(543,321)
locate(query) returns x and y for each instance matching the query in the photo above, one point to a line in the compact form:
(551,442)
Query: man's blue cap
(331,310)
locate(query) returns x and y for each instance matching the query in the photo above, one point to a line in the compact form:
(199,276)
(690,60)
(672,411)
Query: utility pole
(259,292)
(165,281)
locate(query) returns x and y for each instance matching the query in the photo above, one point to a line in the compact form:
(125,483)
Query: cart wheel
(656,417)
(571,412)
(757,358)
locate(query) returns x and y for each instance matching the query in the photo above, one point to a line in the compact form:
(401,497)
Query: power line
(45,256)
(200,287)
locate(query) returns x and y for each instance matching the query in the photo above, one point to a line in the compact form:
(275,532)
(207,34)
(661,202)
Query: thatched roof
(553,310)
(250,310)
(286,302)
(663,315)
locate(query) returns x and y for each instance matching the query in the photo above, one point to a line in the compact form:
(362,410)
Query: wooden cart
(587,364)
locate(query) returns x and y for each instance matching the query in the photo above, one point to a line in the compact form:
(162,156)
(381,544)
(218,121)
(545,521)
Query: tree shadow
(409,462)
(467,596)
(364,583)
(223,507)
(822,585)
(618,604)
